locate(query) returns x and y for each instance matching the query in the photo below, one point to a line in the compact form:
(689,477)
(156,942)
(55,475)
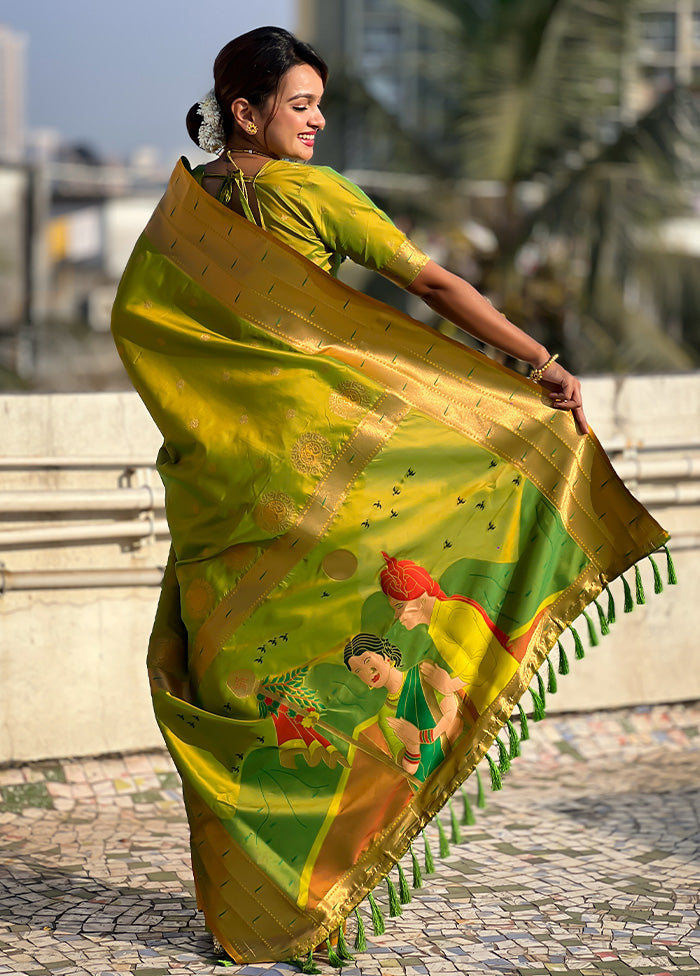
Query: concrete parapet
(72,655)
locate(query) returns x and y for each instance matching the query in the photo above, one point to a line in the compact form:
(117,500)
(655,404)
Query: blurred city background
(546,150)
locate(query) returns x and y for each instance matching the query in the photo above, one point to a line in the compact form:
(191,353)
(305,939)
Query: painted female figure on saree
(421,716)
(474,649)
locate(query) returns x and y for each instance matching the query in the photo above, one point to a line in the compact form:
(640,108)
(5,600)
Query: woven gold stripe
(287,550)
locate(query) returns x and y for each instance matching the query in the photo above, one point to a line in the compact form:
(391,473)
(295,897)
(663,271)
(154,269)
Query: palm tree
(543,96)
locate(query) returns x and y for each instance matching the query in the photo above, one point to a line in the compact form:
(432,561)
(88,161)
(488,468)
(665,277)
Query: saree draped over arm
(334,469)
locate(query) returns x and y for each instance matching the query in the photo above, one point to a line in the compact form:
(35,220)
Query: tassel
(638,586)
(513,740)
(563,659)
(537,706)
(377,917)
(343,948)
(360,935)
(480,794)
(551,678)
(404,890)
(308,966)
(611,606)
(468,817)
(429,863)
(496,782)
(503,757)
(658,585)
(333,957)
(444,846)
(524,727)
(602,619)
(629,606)
(540,688)
(670,568)
(456,832)
(592,635)
(579,652)
(395,908)
(417,876)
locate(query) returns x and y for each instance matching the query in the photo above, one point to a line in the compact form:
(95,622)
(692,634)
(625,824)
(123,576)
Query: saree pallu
(377,537)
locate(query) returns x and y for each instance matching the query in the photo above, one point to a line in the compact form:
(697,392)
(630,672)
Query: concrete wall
(72,660)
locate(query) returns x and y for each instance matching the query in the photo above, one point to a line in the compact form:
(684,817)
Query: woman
(418,726)
(306,430)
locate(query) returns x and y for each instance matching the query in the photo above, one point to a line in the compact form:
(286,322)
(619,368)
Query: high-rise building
(12,94)
(393,68)
(668,49)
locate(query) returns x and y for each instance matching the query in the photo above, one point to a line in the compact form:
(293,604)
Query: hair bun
(193,121)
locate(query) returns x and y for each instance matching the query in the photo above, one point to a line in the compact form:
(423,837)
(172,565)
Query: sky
(120,74)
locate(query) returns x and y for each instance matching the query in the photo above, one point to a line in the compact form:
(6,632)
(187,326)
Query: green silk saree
(377,537)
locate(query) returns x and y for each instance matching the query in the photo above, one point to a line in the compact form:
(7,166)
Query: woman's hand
(564,390)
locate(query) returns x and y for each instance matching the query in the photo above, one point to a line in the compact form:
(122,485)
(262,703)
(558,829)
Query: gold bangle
(537,374)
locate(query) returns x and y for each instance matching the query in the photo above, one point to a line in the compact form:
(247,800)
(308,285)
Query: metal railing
(133,514)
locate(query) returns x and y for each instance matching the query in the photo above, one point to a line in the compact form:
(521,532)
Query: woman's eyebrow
(302,95)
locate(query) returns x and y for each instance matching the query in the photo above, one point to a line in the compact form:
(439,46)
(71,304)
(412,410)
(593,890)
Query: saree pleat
(314,441)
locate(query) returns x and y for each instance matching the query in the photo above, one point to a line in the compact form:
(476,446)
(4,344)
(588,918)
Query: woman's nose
(318,120)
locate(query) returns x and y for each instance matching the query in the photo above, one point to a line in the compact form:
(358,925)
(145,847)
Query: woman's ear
(242,112)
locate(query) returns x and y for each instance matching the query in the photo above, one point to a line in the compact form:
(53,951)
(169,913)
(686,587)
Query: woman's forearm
(458,302)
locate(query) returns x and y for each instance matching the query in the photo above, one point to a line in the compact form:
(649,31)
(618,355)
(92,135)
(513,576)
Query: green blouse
(327,218)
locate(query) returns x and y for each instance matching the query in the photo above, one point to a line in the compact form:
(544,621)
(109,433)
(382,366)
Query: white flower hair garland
(211,136)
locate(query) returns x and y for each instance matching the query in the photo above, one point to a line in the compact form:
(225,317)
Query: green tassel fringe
(395,908)
(639,587)
(670,568)
(377,917)
(611,606)
(404,890)
(658,585)
(333,957)
(429,863)
(537,706)
(551,678)
(592,633)
(563,659)
(602,619)
(579,652)
(417,876)
(503,757)
(629,606)
(360,935)
(444,845)
(480,793)
(343,947)
(513,740)
(468,818)
(456,835)
(524,727)
(496,782)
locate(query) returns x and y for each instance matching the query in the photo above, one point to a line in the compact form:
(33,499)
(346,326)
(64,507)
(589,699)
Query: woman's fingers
(564,391)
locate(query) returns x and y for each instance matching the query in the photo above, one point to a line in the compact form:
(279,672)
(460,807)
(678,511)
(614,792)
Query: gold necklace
(251,152)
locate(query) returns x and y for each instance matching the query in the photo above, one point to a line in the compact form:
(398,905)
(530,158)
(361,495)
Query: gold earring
(251,128)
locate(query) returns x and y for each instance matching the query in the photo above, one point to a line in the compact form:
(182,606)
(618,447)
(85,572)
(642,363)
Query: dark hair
(361,643)
(251,66)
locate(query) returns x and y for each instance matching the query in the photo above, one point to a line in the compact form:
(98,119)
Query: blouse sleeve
(351,225)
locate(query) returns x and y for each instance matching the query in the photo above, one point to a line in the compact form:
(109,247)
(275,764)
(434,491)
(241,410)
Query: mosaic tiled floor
(588,862)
